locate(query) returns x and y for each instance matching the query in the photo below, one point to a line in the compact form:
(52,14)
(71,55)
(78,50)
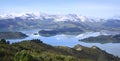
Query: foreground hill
(36,50)
(103,39)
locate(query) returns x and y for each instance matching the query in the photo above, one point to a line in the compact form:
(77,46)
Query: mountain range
(26,21)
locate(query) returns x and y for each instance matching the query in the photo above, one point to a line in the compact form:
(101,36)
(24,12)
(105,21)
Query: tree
(3,41)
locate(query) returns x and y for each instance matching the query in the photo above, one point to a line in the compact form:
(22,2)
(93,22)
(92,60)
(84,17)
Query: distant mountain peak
(56,18)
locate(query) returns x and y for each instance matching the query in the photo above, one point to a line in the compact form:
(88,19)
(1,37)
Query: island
(66,31)
(103,39)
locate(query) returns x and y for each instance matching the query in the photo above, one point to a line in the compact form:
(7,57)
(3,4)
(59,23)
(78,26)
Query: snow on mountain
(21,15)
(71,17)
(82,18)
(56,18)
(11,15)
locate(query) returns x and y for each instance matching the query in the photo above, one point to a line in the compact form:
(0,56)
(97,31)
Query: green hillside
(36,50)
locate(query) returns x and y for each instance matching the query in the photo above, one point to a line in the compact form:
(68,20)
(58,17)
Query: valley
(68,30)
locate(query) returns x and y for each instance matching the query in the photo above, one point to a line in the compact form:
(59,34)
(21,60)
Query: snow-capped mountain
(71,17)
(21,15)
(56,18)
(44,21)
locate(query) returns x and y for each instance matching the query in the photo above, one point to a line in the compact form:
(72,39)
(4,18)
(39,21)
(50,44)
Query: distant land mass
(103,39)
(36,50)
(12,35)
(66,31)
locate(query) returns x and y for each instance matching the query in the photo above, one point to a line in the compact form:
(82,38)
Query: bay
(72,40)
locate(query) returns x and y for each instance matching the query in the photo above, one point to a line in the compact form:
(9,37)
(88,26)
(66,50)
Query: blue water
(71,41)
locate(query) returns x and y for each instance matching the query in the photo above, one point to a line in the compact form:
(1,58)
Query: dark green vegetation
(36,50)
(3,41)
(12,35)
(103,39)
(67,31)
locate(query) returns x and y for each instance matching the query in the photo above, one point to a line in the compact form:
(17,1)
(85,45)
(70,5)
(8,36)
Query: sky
(91,8)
